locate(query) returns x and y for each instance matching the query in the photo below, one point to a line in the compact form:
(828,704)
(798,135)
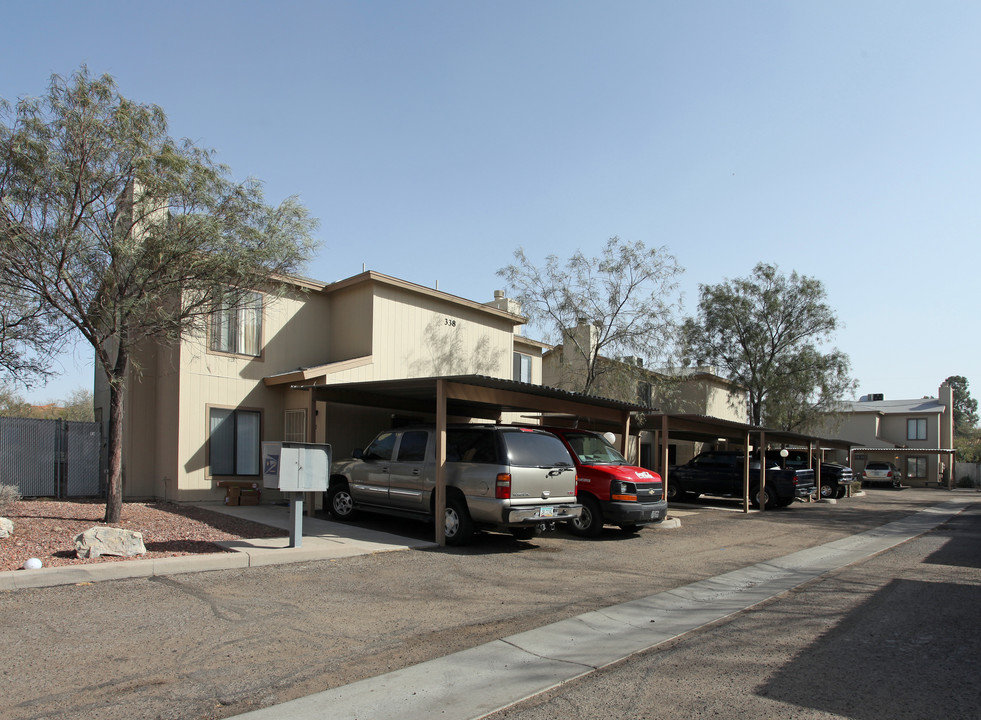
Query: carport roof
(689,426)
(479,396)
(475,396)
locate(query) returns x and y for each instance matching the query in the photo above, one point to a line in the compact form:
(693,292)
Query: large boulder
(6,527)
(98,541)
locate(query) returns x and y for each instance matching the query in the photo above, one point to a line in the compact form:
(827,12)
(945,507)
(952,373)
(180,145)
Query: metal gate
(50,458)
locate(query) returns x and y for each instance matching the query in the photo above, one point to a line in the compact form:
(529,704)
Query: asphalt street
(216,644)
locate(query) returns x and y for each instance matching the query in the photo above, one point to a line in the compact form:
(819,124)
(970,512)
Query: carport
(701,428)
(890,453)
(473,397)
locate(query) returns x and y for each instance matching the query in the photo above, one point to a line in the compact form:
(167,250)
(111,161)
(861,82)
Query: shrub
(9,494)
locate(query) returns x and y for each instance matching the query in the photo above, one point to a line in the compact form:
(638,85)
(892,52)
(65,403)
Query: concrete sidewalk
(322,540)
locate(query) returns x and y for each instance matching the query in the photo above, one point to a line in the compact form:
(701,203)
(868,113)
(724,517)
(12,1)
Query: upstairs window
(522,368)
(916,429)
(237,330)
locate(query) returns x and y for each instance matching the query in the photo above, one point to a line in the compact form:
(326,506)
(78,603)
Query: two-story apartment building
(197,409)
(915,435)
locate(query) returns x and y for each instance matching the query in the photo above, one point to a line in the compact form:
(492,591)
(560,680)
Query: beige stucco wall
(421,336)
(294,335)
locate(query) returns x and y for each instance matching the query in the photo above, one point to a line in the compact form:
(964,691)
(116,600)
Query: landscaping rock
(98,541)
(6,527)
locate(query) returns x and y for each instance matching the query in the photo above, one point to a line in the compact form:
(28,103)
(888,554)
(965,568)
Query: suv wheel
(459,526)
(828,491)
(340,503)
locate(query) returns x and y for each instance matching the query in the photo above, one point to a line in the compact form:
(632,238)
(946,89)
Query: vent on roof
(872,397)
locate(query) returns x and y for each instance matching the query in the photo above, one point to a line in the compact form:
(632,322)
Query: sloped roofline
(370,276)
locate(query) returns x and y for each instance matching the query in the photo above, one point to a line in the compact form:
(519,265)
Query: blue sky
(839,139)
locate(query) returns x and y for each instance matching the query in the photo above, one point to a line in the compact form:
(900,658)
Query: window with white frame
(233,441)
(916,467)
(237,328)
(522,367)
(916,429)
(296,425)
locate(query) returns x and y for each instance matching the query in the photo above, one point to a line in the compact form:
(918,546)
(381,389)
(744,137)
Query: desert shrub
(9,494)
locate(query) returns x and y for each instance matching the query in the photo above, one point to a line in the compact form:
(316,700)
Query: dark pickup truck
(720,472)
(835,478)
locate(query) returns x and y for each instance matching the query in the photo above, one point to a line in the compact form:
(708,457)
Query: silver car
(877,472)
(497,478)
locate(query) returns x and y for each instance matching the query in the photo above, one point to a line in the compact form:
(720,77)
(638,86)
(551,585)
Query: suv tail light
(502,488)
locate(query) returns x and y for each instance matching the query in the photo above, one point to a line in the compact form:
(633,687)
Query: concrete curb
(322,540)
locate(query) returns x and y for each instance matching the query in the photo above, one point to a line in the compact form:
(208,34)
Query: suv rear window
(535,449)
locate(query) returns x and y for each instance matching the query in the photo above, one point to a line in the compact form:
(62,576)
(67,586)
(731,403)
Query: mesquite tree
(112,231)
(621,304)
(767,333)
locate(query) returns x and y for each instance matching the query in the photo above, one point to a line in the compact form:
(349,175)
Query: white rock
(6,527)
(32,564)
(98,541)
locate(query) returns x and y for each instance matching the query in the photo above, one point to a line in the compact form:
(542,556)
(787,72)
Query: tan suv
(497,478)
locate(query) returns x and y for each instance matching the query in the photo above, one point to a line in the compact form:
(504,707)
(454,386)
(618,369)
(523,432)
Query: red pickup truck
(610,490)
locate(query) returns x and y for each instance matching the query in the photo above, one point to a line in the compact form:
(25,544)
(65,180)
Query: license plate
(546,512)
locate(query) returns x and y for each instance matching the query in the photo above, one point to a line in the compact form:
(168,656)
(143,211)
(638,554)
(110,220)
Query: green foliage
(113,231)
(965,407)
(766,332)
(121,233)
(12,404)
(968,446)
(78,406)
(621,299)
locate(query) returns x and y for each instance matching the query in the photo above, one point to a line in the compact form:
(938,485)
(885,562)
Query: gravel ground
(46,530)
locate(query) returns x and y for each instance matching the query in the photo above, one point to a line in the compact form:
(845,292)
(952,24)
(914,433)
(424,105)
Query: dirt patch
(46,530)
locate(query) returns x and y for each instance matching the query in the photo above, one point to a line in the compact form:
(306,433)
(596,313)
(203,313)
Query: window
(233,445)
(381,447)
(916,467)
(412,447)
(475,446)
(645,395)
(296,425)
(916,429)
(238,330)
(522,368)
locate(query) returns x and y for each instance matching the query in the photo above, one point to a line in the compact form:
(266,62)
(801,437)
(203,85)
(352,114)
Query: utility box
(295,467)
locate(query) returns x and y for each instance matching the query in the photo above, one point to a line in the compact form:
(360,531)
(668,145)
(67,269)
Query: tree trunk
(114,485)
